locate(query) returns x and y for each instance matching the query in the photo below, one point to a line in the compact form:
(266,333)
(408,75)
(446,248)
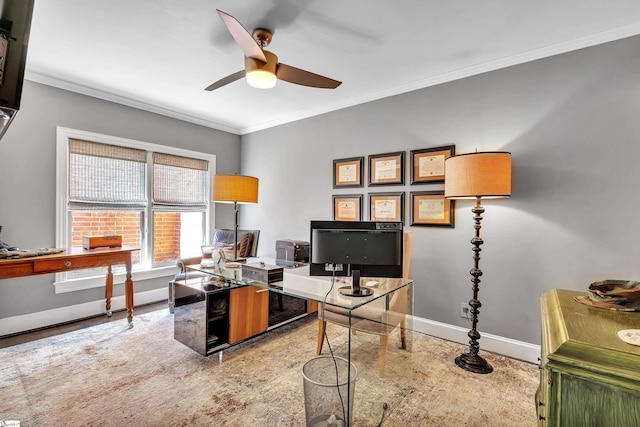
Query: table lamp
(477,176)
(236,189)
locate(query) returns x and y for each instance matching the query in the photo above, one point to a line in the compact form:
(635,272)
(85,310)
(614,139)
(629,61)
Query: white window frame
(62,283)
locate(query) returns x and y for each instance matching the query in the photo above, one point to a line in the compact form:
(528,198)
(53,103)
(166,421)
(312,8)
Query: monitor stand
(355,290)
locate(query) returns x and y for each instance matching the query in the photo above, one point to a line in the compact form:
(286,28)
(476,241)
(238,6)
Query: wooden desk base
(75,259)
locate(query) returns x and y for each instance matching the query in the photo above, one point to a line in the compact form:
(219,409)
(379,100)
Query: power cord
(335,364)
(384,409)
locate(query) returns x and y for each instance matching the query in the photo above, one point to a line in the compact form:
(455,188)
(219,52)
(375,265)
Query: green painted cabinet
(589,376)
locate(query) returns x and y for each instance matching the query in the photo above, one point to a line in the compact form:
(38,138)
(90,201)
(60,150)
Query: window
(155,197)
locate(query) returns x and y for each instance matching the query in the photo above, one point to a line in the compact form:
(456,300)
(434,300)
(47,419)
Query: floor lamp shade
(477,176)
(486,175)
(235,189)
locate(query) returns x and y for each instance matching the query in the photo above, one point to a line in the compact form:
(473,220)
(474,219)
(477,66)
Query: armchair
(247,242)
(375,321)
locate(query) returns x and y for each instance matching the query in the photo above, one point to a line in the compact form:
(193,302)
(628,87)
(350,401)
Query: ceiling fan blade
(242,37)
(225,81)
(305,78)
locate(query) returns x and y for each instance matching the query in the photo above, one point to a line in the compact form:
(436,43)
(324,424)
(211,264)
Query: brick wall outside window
(166,242)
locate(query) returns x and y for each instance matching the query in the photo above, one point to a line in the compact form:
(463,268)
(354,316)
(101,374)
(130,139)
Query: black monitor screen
(372,248)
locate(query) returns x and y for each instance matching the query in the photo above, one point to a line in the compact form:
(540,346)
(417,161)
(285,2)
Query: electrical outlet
(329,267)
(465,310)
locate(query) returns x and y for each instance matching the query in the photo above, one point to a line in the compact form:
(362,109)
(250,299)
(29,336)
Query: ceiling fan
(262,68)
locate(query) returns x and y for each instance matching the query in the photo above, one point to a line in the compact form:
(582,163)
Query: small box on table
(110,241)
(291,252)
(261,272)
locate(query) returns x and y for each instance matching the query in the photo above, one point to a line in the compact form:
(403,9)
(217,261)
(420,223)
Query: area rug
(109,375)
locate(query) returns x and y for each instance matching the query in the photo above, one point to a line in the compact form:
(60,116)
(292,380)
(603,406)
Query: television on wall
(15,25)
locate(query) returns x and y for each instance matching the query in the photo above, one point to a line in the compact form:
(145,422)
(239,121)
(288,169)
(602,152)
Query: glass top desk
(297,282)
(381,316)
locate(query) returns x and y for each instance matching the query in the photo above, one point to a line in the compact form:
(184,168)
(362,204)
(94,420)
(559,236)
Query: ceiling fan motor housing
(251,64)
(262,37)
(259,74)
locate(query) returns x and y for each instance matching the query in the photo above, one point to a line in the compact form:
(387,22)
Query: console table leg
(128,290)
(108,291)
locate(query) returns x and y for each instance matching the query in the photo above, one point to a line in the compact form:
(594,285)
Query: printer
(289,252)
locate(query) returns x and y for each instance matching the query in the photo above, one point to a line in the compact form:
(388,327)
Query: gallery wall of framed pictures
(427,208)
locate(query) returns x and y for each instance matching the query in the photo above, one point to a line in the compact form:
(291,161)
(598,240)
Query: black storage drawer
(201,316)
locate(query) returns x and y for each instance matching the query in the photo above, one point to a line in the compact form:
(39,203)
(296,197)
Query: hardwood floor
(120,315)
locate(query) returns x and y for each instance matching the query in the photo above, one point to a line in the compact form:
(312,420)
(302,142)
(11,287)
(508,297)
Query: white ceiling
(159,55)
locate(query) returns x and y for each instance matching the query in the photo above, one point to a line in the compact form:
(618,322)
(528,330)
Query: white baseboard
(508,347)
(505,346)
(27,322)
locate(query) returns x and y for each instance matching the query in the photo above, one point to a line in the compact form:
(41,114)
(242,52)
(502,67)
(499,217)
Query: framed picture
(427,164)
(348,172)
(347,207)
(430,208)
(386,169)
(386,207)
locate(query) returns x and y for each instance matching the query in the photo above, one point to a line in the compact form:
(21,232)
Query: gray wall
(571,123)
(27,178)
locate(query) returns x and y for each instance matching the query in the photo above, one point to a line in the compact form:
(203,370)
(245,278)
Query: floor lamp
(477,176)
(236,189)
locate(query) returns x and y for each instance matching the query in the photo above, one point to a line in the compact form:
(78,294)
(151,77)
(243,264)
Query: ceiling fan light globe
(261,79)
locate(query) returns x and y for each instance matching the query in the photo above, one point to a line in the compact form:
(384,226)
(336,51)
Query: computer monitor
(356,249)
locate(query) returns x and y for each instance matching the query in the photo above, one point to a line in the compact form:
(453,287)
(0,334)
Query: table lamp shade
(486,175)
(235,189)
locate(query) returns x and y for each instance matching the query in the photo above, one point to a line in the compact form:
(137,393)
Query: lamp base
(474,363)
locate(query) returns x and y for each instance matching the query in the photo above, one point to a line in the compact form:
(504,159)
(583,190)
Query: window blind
(179,181)
(106,174)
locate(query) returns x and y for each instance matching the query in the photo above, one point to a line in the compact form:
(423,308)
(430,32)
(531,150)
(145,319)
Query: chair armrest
(182,263)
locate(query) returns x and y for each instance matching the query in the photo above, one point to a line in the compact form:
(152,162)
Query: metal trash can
(325,394)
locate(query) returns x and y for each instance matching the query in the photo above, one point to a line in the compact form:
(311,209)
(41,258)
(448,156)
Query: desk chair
(375,321)
(223,239)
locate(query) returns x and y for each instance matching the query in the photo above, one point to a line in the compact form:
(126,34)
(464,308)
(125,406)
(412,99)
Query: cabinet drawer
(64,264)
(19,270)
(248,312)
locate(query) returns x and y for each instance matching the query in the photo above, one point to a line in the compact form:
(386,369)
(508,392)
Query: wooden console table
(75,259)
